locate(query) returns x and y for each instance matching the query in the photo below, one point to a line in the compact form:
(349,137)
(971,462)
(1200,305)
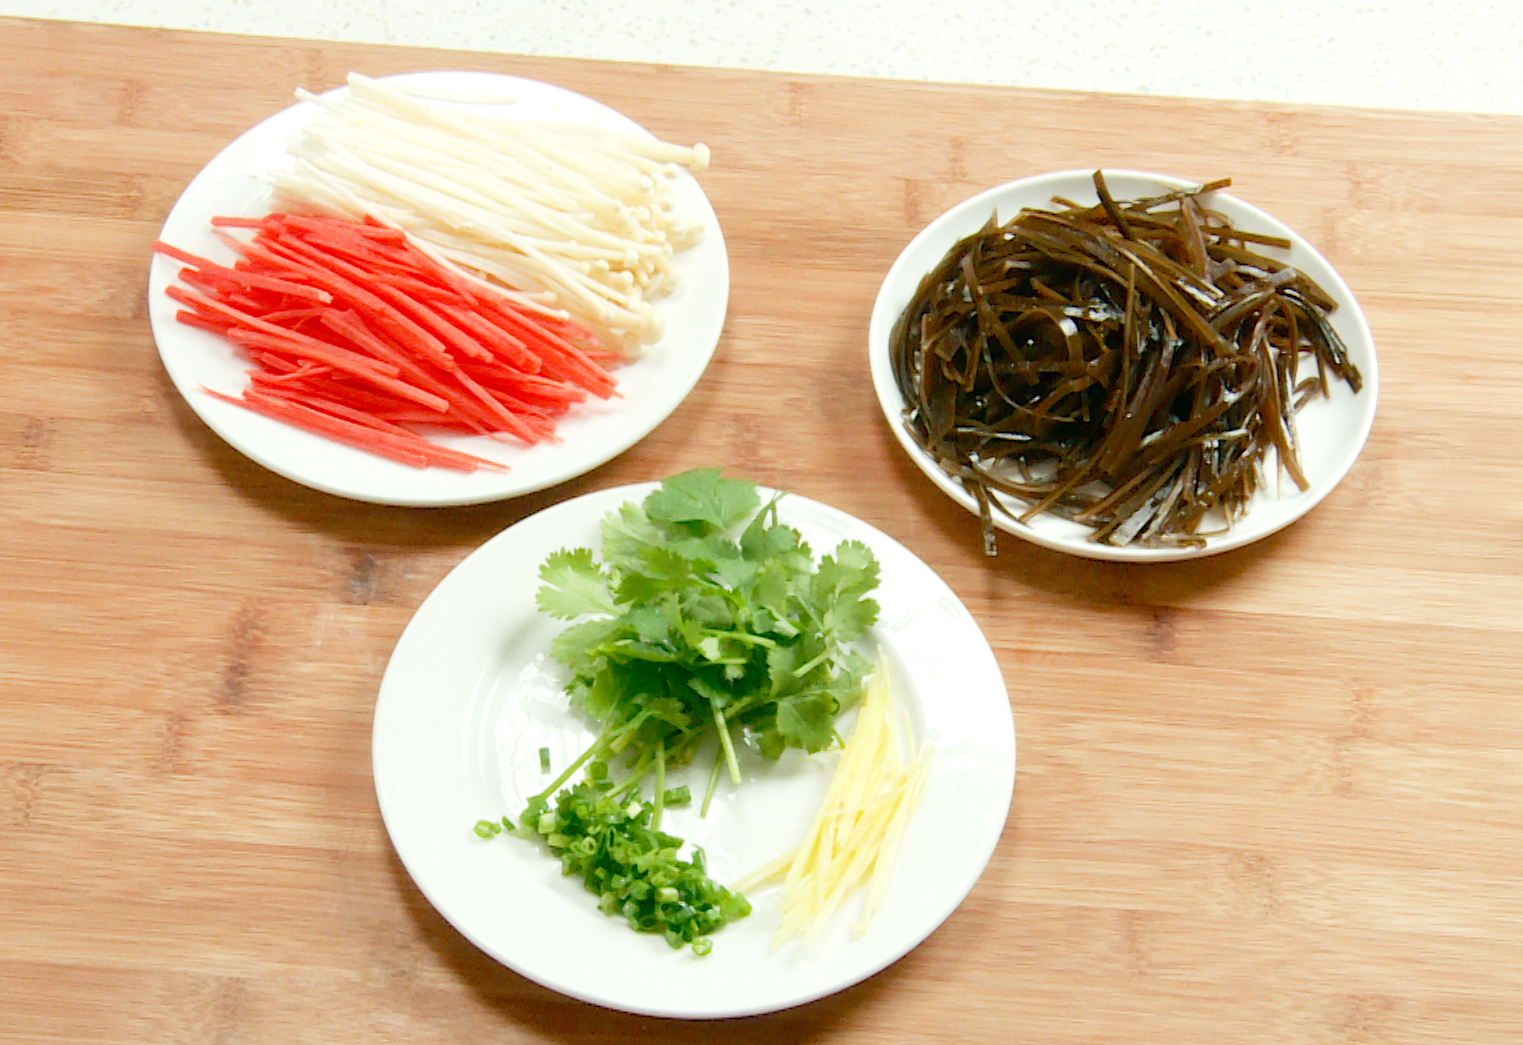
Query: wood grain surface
(1273,796)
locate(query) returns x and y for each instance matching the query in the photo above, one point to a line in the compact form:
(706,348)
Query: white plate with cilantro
(471,702)
(236,183)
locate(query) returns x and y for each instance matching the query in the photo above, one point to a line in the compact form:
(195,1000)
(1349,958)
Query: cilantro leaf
(573,586)
(766,538)
(627,532)
(782,662)
(735,574)
(581,642)
(657,571)
(839,588)
(807,720)
(701,496)
(849,620)
(669,710)
(850,573)
(709,692)
(652,623)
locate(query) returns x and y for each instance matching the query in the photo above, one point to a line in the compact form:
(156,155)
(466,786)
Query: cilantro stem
(606,742)
(724,741)
(655,816)
(743,636)
(628,730)
(598,745)
(740,707)
(800,672)
(631,783)
(708,794)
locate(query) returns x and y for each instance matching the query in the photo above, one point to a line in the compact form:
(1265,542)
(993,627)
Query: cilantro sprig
(706,616)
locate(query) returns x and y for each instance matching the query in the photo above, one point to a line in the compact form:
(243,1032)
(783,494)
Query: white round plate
(1331,431)
(594,432)
(470,697)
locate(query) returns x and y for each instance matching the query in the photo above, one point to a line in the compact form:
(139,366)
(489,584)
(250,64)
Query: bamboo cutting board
(1273,796)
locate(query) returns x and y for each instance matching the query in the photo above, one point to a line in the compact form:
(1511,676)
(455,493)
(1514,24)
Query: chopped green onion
(633,867)
(486,829)
(544,760)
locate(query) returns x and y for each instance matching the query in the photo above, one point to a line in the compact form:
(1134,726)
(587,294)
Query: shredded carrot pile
(359,336)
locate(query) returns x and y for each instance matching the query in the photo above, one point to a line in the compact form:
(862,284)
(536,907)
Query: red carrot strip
(351,326)
(464,411)
(338,358)
(383,256)
(341,227)
(210,269)
(301,373)
(411,449)
(422,417)
(334,387)
(195,319)
(278,364)
(292,315)
(413,309)
(408,283)
(319,350)
(250,300)
(397,324)
(511,422)
(313,421)
(532,385)
(440,324)
(504,344)
(529,413)
(562,358)
(336,407)
(185,256)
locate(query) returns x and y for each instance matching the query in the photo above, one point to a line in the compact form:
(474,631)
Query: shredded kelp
(1127,365)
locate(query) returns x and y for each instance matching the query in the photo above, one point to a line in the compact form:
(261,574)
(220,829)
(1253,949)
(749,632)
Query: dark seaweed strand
(1128,365)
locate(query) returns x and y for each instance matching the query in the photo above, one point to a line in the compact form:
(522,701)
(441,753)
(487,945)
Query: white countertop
(1446,55)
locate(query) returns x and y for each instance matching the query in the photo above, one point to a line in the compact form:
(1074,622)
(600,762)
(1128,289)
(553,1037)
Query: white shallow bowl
(1331,431)
(592,433)
(470,696)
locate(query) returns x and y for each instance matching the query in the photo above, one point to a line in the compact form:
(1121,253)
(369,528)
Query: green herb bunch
(707,617)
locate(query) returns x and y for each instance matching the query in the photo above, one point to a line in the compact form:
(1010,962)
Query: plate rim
(280,445)
(596,504)
(960,217)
